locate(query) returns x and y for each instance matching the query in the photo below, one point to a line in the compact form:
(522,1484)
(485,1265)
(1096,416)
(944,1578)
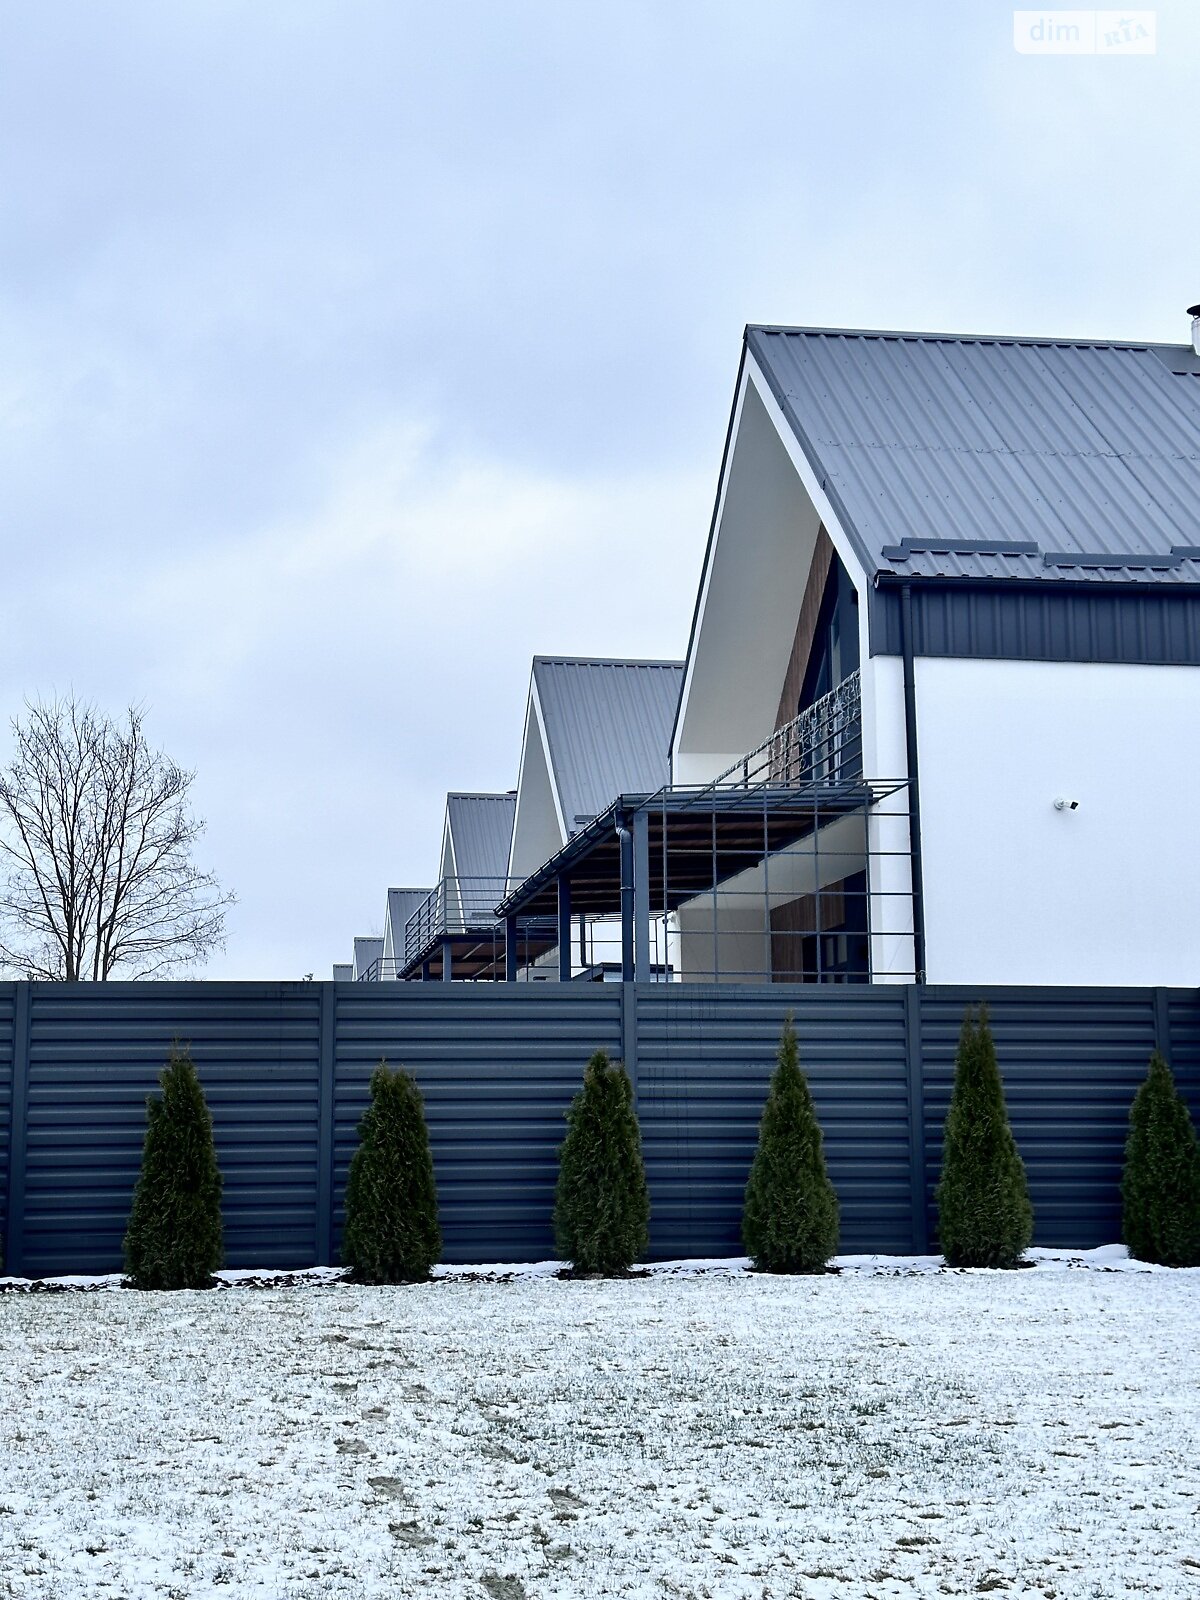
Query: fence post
(325,1068)
(18,1132)
(916,1117)
(1162,1023)
(629,1035)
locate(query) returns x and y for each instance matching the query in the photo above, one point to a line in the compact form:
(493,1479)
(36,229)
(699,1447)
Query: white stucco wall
(741,953)
(1018,892)
(743,945)
(893,958)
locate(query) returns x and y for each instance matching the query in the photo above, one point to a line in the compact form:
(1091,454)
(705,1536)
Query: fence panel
(8,1002)
(286,1066)
(497,1065)
(705,1057)
(95,1054)
(1183,1046)
(1071,1061)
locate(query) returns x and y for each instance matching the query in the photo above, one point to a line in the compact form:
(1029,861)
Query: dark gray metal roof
(608,728)
(954,456)
(401,903)
(367,949)
(481,829)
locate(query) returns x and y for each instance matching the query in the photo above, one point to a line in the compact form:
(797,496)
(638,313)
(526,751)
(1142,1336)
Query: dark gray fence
(285,1068)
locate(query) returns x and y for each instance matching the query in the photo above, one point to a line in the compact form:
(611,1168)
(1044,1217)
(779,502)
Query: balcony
(453,932)
(822,746)
(456,907)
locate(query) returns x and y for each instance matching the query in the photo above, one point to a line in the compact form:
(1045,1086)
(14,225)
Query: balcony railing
(823,745)
(455,906)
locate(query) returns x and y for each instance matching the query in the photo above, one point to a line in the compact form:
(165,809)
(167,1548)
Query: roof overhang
(771,502)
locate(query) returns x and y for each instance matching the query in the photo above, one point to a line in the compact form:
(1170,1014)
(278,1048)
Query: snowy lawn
(716,1433)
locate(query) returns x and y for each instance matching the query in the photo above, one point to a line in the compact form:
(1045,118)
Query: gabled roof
(955,456)
(608,728)
(401,903)
(481,831)
(367,950)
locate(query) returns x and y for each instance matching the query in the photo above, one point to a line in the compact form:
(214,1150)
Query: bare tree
(96,837)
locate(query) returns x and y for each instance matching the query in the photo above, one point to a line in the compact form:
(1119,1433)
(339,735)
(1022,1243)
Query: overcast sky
(351,354)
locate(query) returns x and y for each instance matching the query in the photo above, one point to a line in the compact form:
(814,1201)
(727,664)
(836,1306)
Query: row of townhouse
(938,714)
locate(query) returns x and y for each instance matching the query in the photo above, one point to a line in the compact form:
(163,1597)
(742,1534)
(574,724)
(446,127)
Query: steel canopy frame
(475,954)
(648,856)
(687,820)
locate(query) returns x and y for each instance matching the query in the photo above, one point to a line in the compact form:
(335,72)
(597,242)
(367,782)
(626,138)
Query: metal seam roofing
(1066,460)
(367,950)
(401,903)
(608,728)
(481,830)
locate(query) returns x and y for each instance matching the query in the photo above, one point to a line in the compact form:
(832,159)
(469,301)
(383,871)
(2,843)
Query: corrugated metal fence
(285,1068)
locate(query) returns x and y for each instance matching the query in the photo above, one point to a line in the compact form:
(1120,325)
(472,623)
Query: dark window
(834,654)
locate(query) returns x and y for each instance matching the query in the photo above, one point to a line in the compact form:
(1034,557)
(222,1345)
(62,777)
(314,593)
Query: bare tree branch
(96,839)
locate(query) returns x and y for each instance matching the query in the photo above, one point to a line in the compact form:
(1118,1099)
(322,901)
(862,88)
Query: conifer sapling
(984,1215)
(790,1218)
(392,1233)
(1160,1188)
(173,1240)
(602,1203)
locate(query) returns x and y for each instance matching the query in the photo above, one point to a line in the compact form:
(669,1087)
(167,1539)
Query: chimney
(1194,313)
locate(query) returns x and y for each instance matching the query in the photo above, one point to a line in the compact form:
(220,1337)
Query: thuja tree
(173,1240)
(984,1215)
(1161,1184)
(392,1233)
(790,1219)
(602,1204)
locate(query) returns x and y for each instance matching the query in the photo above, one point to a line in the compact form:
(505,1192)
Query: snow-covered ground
(893,1430)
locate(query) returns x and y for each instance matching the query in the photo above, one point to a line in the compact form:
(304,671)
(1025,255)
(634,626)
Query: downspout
(625,839)
(914,781)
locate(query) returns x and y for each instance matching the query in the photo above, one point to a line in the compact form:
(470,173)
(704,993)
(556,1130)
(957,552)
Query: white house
(987,551)
(450,930)
(401,904)
(594,729)
(936,717)
(367,952)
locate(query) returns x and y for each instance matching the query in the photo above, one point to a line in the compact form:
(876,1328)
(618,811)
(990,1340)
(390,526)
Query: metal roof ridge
(934,336)
(604,661)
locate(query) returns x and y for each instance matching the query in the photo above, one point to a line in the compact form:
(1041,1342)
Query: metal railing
(823,745)
(383,967)
(462,909)
(455,906)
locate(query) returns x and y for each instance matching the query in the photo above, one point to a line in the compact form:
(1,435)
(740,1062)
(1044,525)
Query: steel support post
(564,928)
(642,963)
(626,843)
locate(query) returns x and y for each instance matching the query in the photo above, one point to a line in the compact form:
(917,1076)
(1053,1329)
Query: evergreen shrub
(392,1233)
(790,1216)
(985,1218)
(602,1203)
(1160,1188)
(173,1240)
